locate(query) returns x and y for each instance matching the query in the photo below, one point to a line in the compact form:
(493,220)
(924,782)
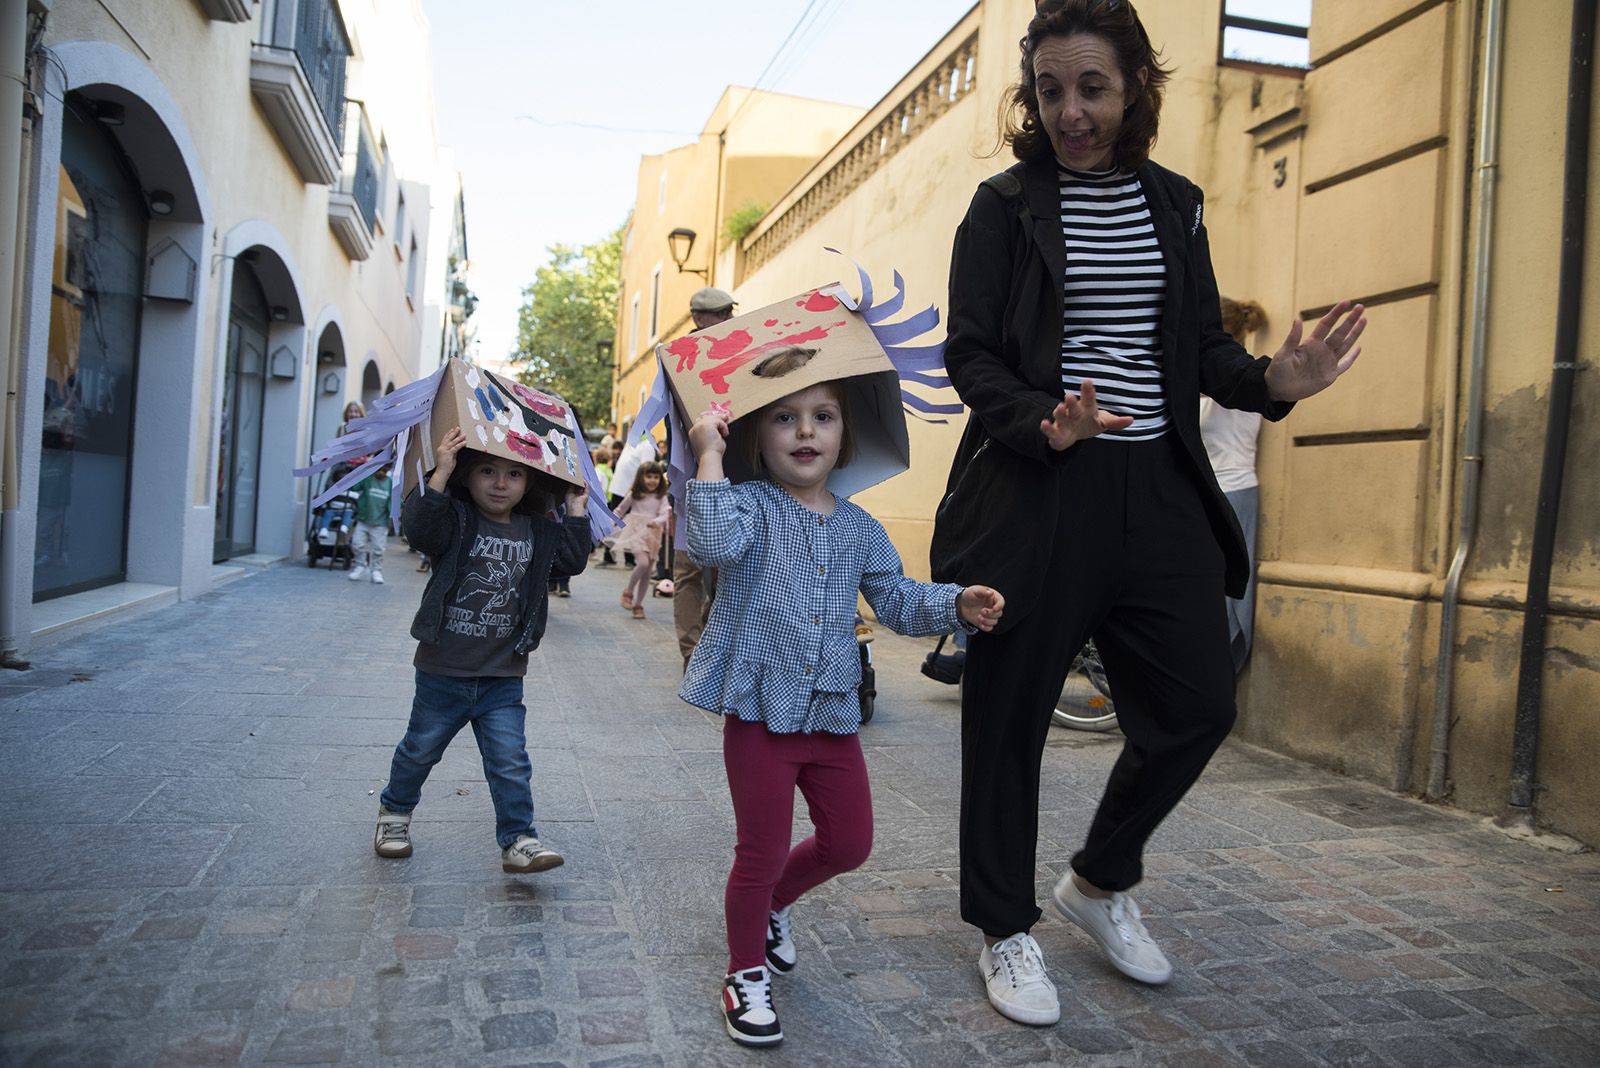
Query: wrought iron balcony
(297,75)
(353,206)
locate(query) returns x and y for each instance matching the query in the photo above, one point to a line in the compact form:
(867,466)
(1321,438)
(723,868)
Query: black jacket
(445,528)
(996,524)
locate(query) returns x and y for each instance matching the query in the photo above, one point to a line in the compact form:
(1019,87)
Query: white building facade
(222,228)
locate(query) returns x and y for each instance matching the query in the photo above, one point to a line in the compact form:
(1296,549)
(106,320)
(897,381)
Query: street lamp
(602,349)
(680,242)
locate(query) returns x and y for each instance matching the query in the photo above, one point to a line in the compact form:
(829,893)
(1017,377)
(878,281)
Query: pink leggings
(763,770)
(639,580)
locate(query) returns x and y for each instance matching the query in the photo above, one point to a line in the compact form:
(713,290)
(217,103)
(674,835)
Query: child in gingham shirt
(778,661)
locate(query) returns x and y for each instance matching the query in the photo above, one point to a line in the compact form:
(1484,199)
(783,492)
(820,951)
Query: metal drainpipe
(1569,308)
(14,146)
(1488,171)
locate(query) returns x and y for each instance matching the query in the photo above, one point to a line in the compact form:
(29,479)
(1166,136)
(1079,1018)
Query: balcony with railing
(353,204)
(297,74)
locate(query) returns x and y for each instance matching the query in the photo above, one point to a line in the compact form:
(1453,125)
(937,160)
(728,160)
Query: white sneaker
(528,854)
(781,955)
(747,1011)
(377,578)
(1115,923)
(393,837)
(1019,989)
(357,573)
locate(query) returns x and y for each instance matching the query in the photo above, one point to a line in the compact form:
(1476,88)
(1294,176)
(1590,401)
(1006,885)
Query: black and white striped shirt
(1114,292)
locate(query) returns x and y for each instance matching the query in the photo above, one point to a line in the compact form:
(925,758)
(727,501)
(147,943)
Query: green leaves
(570,305)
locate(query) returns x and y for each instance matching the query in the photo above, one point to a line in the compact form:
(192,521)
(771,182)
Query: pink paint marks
(685,349)
(525,446)
(730,346)
(722,410)
(717,377)
(770,322)
(820,302)
(543,403)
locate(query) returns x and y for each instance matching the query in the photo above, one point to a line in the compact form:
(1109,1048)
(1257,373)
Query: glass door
(244,392)
(87,440)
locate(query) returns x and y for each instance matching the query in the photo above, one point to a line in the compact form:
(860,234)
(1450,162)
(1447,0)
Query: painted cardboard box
(739,366)
(503,418)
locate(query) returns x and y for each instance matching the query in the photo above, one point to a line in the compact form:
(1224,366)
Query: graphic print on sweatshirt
(487,604)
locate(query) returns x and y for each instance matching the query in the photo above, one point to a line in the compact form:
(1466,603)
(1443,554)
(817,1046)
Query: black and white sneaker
(747,1010)
(780,944)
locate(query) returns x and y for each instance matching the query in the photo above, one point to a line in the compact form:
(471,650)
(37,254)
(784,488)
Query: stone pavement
(188,877)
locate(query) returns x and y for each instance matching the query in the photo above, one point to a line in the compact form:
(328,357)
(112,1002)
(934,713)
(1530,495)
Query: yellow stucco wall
(767,141)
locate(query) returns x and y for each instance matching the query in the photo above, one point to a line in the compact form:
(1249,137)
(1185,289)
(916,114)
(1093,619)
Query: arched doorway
(240,419)
(93,360)
(371,384)
(327,405)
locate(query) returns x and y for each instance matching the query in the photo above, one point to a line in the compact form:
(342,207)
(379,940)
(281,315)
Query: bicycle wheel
(1085,701)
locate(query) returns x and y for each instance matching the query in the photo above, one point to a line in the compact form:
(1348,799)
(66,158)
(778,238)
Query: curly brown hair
(1118,23)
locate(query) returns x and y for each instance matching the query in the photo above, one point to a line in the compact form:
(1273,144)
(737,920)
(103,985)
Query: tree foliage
(569,306)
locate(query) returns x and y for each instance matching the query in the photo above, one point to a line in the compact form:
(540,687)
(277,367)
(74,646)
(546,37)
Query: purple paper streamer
(878,313)
(656,406)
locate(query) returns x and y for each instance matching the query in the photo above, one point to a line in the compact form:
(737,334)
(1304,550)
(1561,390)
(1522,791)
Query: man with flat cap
(692,589)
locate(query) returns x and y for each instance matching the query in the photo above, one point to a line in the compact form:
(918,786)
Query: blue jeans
(442,706)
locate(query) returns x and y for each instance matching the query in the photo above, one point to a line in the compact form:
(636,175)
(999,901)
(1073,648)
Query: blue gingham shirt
(780,646)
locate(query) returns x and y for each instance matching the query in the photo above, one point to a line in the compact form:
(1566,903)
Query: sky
(503,70)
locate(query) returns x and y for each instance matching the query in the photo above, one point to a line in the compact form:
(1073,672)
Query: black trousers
(1137,567)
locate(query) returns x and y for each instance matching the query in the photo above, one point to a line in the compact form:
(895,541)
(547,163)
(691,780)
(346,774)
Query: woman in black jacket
(1084,325)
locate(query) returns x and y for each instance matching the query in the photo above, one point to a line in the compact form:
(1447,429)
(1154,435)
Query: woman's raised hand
(1076,418)
(1304,367)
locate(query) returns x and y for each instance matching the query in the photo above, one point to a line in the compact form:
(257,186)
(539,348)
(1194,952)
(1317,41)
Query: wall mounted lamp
(161,202)
(680,242)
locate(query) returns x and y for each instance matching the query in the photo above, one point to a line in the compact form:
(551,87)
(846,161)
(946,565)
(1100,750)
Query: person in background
(602,466)
(625,468)
(371,535)
(353,410)
(1230,440)
(645,513)
(692,585)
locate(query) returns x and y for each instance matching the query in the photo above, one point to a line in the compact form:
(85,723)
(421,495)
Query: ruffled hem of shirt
(747,692)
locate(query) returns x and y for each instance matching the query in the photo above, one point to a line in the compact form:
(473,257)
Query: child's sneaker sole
(539,863)
(749,1040)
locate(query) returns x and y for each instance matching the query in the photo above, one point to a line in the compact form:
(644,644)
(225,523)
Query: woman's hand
(445,456)
(980,606)
(1076,418)
(1304,368)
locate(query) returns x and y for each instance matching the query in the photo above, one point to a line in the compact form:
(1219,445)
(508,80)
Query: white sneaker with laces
(747,1011)
(377,578)
(392,839)
(528,854)
(1115,923)
(781,955)
(1013,971)
(357,573)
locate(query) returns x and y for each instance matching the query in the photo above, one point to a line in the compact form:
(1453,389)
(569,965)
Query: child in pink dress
(645,513)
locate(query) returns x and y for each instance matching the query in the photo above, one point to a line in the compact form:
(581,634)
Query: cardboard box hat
(739,366)
(503,418)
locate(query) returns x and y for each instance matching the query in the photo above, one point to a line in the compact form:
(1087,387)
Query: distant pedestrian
(371,534)
(484,522)
(778,661)
(1229,436)
(353,410)
(645,513)
(692,585)
(602,467)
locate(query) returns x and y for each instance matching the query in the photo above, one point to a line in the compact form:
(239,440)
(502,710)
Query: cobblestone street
(188,876)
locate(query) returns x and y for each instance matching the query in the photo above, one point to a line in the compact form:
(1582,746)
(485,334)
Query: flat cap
(710,299)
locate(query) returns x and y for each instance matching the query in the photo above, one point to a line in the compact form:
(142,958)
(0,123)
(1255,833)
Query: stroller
(330,527)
